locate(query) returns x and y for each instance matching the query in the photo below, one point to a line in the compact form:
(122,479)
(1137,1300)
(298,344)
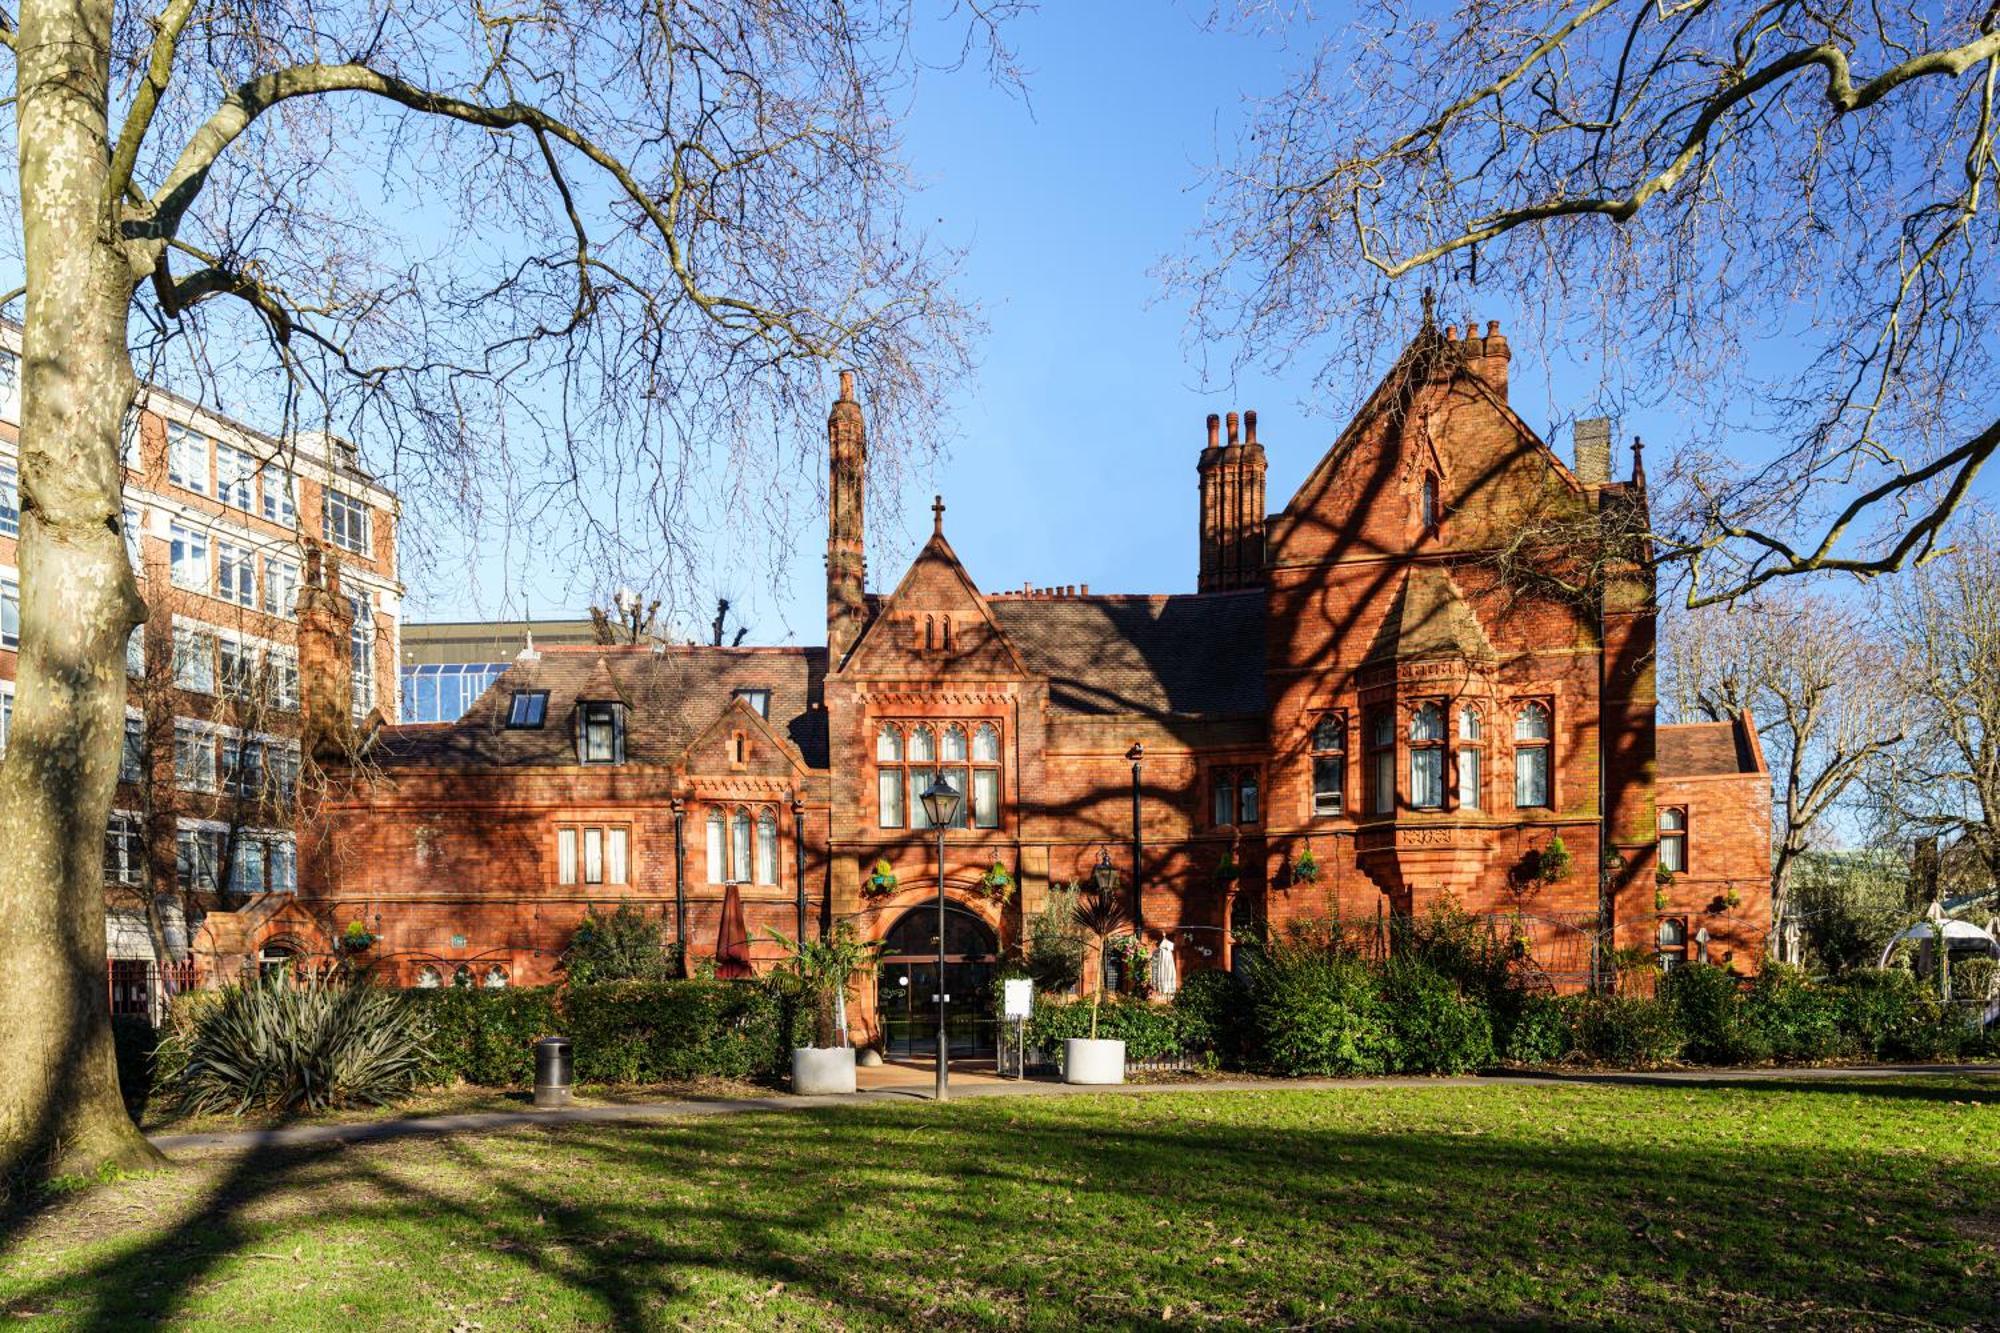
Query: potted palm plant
(823,969)
(1100,915)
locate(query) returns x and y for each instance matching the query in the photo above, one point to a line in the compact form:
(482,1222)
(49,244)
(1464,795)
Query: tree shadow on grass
(1091,1211)
(1977,1085)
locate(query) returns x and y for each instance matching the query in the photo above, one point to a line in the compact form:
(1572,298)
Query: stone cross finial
(937,515)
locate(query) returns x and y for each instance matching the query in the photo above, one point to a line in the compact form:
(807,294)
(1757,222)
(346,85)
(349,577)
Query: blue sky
(1075,441)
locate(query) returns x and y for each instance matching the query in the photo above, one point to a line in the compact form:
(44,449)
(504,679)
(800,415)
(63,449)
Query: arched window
(739,847)
(1427,505)
(718,854)
(1673,839)
(496,978)
(461,977)
(1382,753)
(986,776)
(1471,758)
(1673,945)
(429,978)
(889,777)
(767,847)
(953,749)
(930,633)
(986,743)
(923,753)
(1329,761)
(1533,732)
(1427,757)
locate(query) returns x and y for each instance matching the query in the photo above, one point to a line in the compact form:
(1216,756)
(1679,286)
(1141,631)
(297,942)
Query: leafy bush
(1318,1012)
(1711,1015)
(1622,1029)
(1054,956)
(301,1044)
(1889,1014)
(1791,1018)
(1438,1028)
(1972,978)
(1214,1011)
(627,945)
(1540,1032)
(1149,1031)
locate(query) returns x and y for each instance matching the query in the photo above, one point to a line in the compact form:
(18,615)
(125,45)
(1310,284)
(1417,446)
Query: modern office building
(218,517)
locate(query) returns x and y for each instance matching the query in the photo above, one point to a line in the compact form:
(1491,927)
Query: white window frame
(348,523)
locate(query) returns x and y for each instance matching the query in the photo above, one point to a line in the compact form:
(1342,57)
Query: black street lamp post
(1137,754)
(941,802)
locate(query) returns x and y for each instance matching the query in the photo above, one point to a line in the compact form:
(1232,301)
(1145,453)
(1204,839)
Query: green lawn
(1807,1204)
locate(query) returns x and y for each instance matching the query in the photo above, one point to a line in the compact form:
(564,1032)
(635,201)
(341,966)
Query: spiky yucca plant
(296,1044)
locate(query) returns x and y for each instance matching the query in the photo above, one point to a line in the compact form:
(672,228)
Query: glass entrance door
(906,987)
(906,1000)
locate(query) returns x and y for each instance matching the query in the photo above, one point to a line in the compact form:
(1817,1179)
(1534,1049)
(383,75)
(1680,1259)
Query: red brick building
(1359,674)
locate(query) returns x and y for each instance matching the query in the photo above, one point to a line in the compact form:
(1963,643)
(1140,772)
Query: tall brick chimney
(1593,451)
(326,681)
(1232,507)
(1488,357)
(846,558)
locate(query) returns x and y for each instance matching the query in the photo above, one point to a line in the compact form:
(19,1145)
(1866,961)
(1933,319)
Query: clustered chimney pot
(1250,428)
(1214,430)
(1233,430)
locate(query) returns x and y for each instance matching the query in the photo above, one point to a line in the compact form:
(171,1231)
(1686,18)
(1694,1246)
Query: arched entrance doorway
(906,984)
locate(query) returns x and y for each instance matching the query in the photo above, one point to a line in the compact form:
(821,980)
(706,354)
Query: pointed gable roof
(1430,618)
(1427,353)
(935,584)
(738,713)
(601,687)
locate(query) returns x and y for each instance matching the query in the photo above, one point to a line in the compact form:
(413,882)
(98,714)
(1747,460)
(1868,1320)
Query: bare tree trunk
(59,1104)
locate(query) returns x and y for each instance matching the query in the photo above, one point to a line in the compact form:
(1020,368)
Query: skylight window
(528,708)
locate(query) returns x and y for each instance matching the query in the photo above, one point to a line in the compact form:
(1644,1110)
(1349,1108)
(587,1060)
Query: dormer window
(759,701)
(600,733)
(528,708)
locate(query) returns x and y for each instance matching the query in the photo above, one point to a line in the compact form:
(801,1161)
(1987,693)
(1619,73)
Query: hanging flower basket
(1226,870)
(997,884)
(881,881)
(357,938)
(1305,867)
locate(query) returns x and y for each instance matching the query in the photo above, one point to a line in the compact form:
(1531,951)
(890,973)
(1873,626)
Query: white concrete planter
(822,1071)
(1093,1061)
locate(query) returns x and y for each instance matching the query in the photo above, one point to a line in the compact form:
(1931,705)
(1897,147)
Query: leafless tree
(1775,219)
(1942,784)
(520,254)
(631,619)
(1818,684)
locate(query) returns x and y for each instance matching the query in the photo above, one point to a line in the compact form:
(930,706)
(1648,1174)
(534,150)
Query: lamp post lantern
(1137,756)
(941,801)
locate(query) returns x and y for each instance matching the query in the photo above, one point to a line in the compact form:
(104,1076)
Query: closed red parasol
(732,941)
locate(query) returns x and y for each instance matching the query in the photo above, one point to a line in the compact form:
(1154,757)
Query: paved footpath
(900,1084)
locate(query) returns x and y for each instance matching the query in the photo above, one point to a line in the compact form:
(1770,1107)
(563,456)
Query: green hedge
(620,1032)
(1149,1031)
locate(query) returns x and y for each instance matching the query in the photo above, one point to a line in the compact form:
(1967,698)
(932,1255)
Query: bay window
(1471,755)
(1427,757)
(1534,733)
(1382,757)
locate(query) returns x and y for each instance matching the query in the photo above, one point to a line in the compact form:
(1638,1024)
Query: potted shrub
(822,969)
(1099,914)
